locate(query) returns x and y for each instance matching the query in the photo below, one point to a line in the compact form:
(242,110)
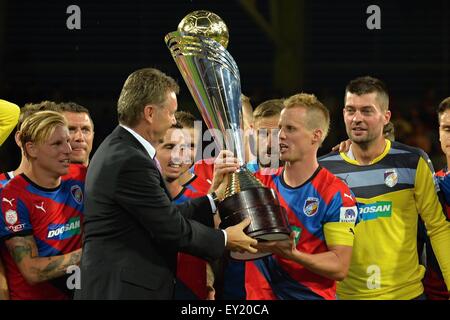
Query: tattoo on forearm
(19,248)
(19,252)
(44,268)
(74,259)
(52,269)
(57,266)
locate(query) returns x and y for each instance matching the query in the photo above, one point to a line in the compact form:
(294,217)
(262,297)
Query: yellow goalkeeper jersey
(9,115)
(391,192)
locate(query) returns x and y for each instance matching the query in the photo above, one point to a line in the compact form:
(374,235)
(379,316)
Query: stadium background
(281,47)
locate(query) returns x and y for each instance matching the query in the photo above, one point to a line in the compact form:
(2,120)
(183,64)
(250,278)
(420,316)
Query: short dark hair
(143,87)
(75,108)
(443,106)
(177,125)
(186,119)
(368,84)
(30,108)
(268,109)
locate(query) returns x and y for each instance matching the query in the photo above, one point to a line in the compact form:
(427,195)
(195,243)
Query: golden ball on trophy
(207,24)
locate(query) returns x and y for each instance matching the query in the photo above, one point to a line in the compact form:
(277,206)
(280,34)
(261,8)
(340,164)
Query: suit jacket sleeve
(198,209)
(139,192)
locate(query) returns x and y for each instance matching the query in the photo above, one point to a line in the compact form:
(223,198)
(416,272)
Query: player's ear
(17,139)
(317,135)
(149,113)
(30,149)
(387,117)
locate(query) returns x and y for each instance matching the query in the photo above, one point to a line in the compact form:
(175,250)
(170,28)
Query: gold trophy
(212,76)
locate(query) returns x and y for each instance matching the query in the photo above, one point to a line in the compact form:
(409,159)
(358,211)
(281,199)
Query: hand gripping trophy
(212,76)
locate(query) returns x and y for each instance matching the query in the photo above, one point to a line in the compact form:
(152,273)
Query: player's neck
(365,154)
(185,177)
(174,187)
(43,178)
(24,165)
(447,163)
(298,172)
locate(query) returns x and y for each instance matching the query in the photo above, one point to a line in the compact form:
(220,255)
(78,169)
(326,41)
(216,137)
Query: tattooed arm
(4,292)
(37,269)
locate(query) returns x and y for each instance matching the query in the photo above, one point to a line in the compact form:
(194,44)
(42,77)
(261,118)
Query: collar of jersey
(381,156)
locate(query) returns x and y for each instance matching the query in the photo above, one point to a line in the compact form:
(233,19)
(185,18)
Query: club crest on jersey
(311,206)
(390,177)
(77,194)
(11,216)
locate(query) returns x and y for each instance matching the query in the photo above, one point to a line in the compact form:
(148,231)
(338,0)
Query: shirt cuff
(214,210)
(213,205)
(225,236)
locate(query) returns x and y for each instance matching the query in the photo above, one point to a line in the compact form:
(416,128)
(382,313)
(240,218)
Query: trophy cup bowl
(212,76)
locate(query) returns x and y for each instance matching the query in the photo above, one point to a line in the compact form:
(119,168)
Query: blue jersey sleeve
(15,215)
(444,185)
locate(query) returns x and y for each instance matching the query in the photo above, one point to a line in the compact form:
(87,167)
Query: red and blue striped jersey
(323,199)
(191,271)
(204,169)
(194,188)
(5,177)
(52,216)
(443,179)
(433,281)
(76,172)
(233,270)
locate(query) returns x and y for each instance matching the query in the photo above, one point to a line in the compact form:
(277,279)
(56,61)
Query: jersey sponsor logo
(390,177)
(10,201)
(11,216)
(311,206)
(77,194)
(348,214)
(16,227)
(64,231)
(371,211)
(297,231)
